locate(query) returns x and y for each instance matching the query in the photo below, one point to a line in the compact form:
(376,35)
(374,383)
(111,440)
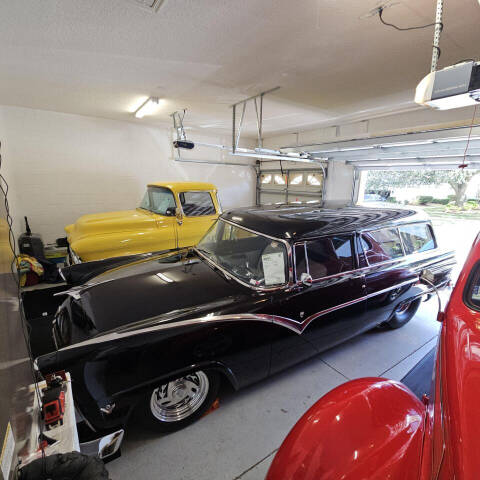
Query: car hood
(109,222)
(165,288)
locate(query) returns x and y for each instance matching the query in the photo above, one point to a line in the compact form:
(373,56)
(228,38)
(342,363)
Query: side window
(361,247)
(382,245)
(471,294)
(417,237)
(329,256)
(158,200)
(300,264)
(196,204)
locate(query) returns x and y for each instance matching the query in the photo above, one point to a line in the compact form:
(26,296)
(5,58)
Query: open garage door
(433,149)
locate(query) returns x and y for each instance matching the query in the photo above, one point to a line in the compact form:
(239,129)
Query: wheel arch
(367,428)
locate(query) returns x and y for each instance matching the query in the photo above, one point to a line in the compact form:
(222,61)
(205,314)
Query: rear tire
(403,314)
(176,404)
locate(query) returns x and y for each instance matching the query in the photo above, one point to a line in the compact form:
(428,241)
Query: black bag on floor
(65,466)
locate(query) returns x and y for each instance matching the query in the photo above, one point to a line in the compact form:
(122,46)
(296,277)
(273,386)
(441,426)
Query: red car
(373,428)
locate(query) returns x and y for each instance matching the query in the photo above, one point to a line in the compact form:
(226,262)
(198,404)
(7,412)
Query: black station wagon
(265,288)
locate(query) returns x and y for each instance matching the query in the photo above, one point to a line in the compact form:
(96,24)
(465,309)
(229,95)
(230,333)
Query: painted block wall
(63,166)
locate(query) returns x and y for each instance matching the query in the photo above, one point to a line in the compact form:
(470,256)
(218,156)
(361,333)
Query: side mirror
(179,215)
(306,279)
(170,212)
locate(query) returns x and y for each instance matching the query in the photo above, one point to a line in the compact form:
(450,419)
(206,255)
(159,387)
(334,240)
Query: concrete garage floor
(239,440)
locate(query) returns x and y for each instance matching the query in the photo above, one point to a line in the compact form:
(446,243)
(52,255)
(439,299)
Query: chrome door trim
(113,336)
(291,324)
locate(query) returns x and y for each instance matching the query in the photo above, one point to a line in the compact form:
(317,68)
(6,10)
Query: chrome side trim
(357,300)
(108,337)
(286,322)
(394,287)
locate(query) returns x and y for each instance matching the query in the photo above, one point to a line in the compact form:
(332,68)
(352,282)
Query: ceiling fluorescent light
(149,107)
(278,157)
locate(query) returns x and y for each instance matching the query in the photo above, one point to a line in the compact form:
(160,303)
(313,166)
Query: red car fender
(370,428)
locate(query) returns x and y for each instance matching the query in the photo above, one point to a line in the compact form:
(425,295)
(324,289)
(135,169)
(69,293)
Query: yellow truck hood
(109,222)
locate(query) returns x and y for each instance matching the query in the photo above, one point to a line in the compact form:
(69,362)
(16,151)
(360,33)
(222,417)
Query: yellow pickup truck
(171,215)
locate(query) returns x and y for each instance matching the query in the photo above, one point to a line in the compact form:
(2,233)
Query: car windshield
(158,200)
(250,257)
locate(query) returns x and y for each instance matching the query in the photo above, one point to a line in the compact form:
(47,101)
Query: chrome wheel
(180,398)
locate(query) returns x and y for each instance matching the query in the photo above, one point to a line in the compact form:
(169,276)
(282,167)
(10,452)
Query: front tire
(403,314)
(176,404)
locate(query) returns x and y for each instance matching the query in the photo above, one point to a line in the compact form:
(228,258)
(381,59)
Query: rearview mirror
(306,279)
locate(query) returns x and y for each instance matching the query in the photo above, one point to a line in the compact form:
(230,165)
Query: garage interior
(283,102)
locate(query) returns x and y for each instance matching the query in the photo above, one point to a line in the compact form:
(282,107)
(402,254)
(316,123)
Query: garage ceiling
(102,57)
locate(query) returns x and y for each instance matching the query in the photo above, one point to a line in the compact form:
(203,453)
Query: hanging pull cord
(464,164)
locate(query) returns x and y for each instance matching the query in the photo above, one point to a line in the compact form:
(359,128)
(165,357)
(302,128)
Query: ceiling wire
(464,164)
(404,29)
(15,264)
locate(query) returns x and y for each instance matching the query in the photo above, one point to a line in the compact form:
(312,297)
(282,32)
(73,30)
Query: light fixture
(148,107)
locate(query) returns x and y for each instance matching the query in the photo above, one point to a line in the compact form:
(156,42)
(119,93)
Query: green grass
(438,212)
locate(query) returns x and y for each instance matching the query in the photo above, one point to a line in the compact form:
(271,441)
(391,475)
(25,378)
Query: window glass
(250,257)
(158,200)
(196,204)
(295,178)
(265,178)
(279,179)
(472,292)
(300,264)
(314,179)
(417,237)
(328,256)
(382,245)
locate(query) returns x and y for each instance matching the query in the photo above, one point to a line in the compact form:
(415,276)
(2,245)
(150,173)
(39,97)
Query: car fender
(370,428)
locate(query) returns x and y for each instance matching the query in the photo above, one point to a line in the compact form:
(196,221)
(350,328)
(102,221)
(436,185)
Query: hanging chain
(436,36)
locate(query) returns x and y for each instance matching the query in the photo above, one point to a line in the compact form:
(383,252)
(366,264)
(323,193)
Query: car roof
(302,221)
(178,187)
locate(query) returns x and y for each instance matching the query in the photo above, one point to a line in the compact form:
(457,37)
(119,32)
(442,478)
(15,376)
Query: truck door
(199,214)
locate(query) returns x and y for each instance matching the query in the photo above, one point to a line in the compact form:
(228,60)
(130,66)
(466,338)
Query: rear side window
(417,237)
(196,204)
(329,256)
(382,245)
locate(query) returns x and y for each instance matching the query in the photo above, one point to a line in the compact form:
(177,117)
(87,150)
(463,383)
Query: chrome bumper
(75,258)
(103,447)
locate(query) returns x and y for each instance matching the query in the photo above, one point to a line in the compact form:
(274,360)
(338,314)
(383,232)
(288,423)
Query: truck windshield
(250,257)
(158,200)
